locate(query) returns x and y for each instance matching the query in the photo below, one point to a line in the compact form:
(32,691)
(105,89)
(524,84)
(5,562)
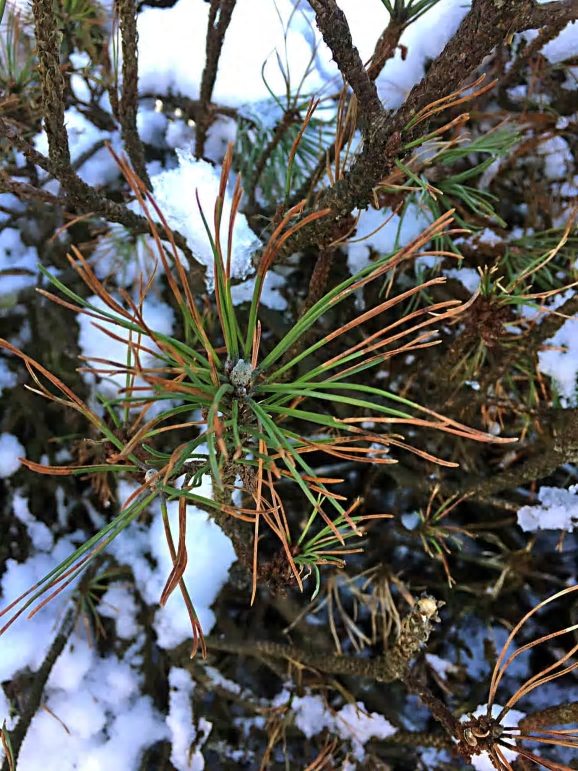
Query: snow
(352,723)
(145,550)
(563,46)
(91,714)
(255,35)
(183,733)
(383,232)
(174,191)
(469,277)
(8,379)
(559,510)
(311,714)
(118,603)
(15,256)
(151,126)
(271,296)
(424,40)
(558,159)
(559,359)
(10,451)
(40,535)
(20,646)
(99,700)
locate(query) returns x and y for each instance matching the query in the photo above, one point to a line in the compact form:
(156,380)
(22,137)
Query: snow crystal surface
(559,510)
(109,724)
(176,193)
(353,722)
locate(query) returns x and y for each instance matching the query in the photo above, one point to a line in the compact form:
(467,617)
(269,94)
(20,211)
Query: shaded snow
(559,510)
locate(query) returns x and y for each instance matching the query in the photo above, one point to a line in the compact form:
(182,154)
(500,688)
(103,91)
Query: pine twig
(128,106)
(15,138)
(393,665)
(80,194)
(385,47)
(220,14)
(332,24)
(544,462)
(384,50)
(27,192)
(289,118)
(93,202)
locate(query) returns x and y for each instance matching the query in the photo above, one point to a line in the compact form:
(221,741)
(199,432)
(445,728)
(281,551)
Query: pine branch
(488,24)
(128,106)
(393,665)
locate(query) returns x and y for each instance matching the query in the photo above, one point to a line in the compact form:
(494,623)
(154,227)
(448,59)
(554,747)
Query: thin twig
(545,461)
(220,14)
(81,195)
(384,50)
(385,47)
(393,665)
(11,133)
(288,119)
(27,192)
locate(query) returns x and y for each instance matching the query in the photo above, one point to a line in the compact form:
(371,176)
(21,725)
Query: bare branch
(27,192)
(333,26)
(128,106)
(220,14)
